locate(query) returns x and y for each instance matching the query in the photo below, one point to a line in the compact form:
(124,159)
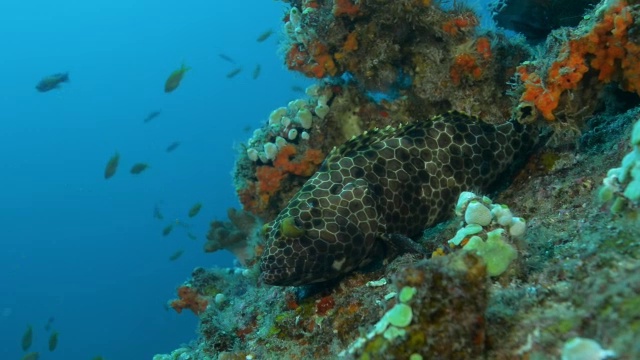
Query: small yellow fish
(53,341)
(176,255)
(138,168)
(195,209)
(256,72)
(112,166)
(173,81)
(167,230)
(31,356)
(27,338)
(265,35)
(231,74)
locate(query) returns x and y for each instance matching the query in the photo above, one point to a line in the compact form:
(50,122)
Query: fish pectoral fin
(403,244)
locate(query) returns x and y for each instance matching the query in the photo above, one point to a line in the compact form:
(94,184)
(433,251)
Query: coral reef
(564,83)
(567,286)
(239,235)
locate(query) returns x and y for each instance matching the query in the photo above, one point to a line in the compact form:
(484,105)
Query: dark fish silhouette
(256,72)
(152,115)
(176,255)
(231,74)
(31,356)
(157,213)
(173,81)
(112,166)
(265,35)
(226,58)
(138,168)
(52,82)
(167,230)
(53,341)
(174,145)
(49,323)
(297,88)
(195,209)
(27,338)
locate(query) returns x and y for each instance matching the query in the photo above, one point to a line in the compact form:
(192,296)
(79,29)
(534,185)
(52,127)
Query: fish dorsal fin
(367,138)
(450,117)
(360,142)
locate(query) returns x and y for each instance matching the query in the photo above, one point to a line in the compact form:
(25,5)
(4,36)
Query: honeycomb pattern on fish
(386,181)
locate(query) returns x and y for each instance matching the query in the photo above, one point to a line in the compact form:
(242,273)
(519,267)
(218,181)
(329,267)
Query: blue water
(86,250)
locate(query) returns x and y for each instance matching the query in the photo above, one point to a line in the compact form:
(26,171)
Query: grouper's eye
(266,229)
(291,228)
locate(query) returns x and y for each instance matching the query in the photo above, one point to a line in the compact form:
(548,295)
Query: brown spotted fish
(384,185)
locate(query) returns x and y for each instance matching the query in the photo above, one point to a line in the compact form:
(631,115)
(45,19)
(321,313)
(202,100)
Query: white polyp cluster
(622,184)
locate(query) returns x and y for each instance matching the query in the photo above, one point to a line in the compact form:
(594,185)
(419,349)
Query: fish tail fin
(184,67)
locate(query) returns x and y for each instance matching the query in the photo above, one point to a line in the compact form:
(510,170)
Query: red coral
(189,299)
(323,305)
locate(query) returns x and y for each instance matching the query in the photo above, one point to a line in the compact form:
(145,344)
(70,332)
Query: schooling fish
(152,115)
(157,213)
(265,35)
(226,58)
(231,74)
(378,190)
(52,82)
(176,255)
(31,356)
(53,341)
(256,72)
(174,145)
(173,81)
(138,168)
(27,338)
(112,166)
(195,209)
(49,323)
(167,230)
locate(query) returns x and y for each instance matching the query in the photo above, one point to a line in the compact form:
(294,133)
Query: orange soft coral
(345,7)
(460,23)
(610,53)
(464,66)
(189,299)
(255,198)
(313,62)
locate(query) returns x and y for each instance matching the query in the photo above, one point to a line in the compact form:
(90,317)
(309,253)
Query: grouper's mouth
(272,274)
